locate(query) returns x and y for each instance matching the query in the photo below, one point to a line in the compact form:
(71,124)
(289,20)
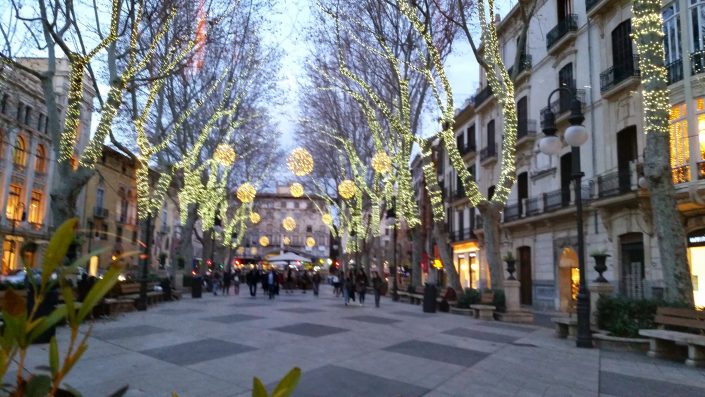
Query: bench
(403,296)
(416,297)
(665,342)
(484,310)
(566,327)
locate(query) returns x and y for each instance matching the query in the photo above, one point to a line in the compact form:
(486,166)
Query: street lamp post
(575,135)
(391,217)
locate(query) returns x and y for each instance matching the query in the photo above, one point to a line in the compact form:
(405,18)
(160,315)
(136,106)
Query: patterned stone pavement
(214,346)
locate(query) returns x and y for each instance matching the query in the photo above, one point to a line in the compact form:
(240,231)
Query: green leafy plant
(508,257)
(599,253)
(284,389)
(499,301)
(624,317)
(25,325)
(469,297)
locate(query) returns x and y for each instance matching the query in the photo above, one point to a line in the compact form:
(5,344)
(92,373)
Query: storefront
(696,259)
(466,262)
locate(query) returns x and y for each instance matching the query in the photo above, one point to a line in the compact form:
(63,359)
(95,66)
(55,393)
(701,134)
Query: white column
(7,172)
(29,173)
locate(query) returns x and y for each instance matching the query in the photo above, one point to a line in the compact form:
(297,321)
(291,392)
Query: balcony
(675,71)
(512,212)
(533,206)
(482,96)
(459,193)
(488,154)
(562,33)
(526,129)
(462,235)
(525,64)
(618,77)
(681,174)
(561,106)
(467,149)
(697,62)
(556,199)
(100,212)
(615,183)
(594,7)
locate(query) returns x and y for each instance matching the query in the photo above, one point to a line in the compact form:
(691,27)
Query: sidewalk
(215,345)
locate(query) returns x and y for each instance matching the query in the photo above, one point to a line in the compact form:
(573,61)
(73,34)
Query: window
(104,232)
(20,108)
(700,114)
(290,205)
(460,142)
(97,231)
(490,192)
(19,156)
(4,102)
(40,119)
(40,165)
(302,205)
(309,229)
(14,204)
(99,193)
(471,137)
(134,236)
(680,153)
(35,208)
(491,144)
(118,234)
(27,114)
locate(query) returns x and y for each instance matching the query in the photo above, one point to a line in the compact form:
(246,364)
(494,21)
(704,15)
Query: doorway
(568,280)
(632,260)
(526,295)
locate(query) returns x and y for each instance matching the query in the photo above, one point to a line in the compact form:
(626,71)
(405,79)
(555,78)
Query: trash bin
(49,303)
(429,298)
(196,287)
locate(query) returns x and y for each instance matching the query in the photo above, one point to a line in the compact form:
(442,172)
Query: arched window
(41,164)
(19,156)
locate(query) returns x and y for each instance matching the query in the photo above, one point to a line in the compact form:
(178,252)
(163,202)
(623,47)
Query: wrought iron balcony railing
(488,152)
(675,71)
(569,24)
(526,128)
(482,96)
(614,183)
(611,77)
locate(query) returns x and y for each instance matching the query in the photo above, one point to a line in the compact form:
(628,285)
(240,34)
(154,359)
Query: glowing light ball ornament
(347,189)
(381,163)
(289,224)
(264,241)
(300,162)
(296,189)
(286,240)
(327,219)
(246,192)
(255,218)
(224,155)
(310,242)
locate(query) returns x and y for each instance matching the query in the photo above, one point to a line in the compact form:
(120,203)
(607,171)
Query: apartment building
(583,45)
(27,159)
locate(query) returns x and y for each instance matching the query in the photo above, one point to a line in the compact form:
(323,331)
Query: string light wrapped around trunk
(246,192)
(347,189)
(300,162)
(296,189)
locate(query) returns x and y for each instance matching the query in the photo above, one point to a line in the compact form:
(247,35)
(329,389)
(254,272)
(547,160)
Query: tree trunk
(186,247)
(64,193)
(416,252)
(441,237)
(666,217)
(490,221)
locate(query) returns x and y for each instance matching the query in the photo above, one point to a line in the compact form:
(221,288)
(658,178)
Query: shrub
(187,280)
(469,297)
(623,316)
(499,301)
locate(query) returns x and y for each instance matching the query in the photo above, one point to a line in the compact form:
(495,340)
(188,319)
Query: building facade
(307,235)
(27,159)
(584,46)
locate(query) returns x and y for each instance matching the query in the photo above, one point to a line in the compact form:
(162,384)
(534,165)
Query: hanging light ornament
(381,163)
(255,218)
(286,240)
(347,189)
(224,155)
(264,241)
(310,242)
(296,189)
(300,162)
(327,219)
(246,192)
(289,224)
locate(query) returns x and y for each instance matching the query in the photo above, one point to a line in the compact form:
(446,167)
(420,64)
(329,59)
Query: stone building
(28,159)
(584,45)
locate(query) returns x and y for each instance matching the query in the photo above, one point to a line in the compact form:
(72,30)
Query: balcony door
(622,53)
(522,190)
(522,117)
(525,275)
(564,9)
(627,153)
(565,79)
(491,138)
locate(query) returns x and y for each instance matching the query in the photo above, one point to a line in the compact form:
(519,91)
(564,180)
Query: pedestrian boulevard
(214,346)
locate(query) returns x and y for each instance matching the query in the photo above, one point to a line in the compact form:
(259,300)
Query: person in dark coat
(377,285)
(272,283)
(252,280)
(227,279)
(361,286)
(316,282)
(264,278)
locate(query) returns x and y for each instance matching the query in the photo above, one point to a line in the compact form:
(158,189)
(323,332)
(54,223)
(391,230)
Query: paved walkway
(215,345)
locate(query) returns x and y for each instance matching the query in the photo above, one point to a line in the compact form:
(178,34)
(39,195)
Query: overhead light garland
(347,189)
(254,218)
(286,240)
(224,155)
(289,224)
(300,162)
(296,189)
(327,219)
(246,192)
(264,241)
(310,242)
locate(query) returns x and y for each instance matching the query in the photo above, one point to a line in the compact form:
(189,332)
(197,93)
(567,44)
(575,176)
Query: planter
(600,266)
(457,310)
(511,268)
(609,342)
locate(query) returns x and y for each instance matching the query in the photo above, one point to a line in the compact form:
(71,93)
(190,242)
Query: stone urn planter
(511,267)
(600,266)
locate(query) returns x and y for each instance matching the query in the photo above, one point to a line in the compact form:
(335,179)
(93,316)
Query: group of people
(222,281)
(272,280)
(356,283)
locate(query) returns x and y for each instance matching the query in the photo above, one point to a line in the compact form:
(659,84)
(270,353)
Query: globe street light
(575,135)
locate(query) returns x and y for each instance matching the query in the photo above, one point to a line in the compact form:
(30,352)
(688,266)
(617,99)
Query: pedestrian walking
(316,283)
(216,283)
(335,280)
(236,283)
(361,286)
(349,287)
(305,280)
(377,286)
(272,283)
(252,281)
(227,279)
(289,281)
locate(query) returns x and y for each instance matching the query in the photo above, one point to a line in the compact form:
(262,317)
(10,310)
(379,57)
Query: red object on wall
(424,262)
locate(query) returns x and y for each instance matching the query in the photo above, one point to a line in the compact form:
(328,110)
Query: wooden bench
(566,327)
(665,343)
(417,297)
(484,310)
(403,296)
